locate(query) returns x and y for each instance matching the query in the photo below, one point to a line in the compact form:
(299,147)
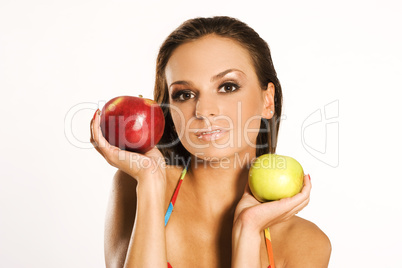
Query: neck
(220,184)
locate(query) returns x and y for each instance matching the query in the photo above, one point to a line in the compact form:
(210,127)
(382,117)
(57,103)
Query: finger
(92,139)
(92,135)
(307,183)
(291,205)
(128,162)
(97,132)
(304,193)
(303,197)
(108,151)
(92,120)
(132,163)
(288,214)
(98,140)
(90,126)
(300,207)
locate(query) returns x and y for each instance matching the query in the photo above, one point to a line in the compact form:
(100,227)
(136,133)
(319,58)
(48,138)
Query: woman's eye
(183,96)
(228,87)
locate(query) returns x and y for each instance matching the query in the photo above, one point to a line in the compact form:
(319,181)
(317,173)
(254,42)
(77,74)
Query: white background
(60,59)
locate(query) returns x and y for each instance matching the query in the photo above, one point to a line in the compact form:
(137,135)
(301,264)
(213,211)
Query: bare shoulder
(121,213)
(123,189)
(119,220)
(305,243)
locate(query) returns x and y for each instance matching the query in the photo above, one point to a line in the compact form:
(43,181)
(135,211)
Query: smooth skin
(216,221)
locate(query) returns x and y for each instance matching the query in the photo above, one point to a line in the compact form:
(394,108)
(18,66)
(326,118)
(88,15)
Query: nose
(206,108)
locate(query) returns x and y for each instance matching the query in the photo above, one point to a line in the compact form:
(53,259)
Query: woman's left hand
(259,216)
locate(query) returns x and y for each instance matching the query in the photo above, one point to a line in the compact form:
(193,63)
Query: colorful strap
(173,200)
(267,234)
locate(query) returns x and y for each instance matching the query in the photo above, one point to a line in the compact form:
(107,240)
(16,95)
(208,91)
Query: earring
(271,112)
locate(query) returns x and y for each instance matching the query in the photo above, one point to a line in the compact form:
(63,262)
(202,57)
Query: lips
(212,133)
(210,130)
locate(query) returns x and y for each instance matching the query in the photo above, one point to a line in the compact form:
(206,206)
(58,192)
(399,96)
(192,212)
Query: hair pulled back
(227,27)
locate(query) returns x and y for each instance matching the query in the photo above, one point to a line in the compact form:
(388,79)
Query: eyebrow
(181,82)
(214,78)
(222,74)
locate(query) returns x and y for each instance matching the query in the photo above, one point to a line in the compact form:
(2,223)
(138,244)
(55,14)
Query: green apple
(273,177)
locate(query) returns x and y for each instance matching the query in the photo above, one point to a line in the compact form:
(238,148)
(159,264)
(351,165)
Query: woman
(217,85)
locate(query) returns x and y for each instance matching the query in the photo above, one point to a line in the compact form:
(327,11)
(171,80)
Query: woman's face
(216,101)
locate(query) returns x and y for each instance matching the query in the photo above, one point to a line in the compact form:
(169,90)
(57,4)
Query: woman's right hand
(142,243)
(139,166)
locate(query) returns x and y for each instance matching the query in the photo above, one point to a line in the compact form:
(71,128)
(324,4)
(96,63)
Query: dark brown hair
(227,27)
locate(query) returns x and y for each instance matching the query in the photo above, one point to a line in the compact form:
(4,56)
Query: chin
(241,156)
(222,150)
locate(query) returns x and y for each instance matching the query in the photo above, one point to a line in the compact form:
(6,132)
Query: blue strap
(168,213)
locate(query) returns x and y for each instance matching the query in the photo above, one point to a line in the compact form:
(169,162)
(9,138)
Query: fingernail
(309,177)
(96,112)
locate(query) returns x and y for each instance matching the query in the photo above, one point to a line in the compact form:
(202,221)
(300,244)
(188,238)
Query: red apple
(134,124)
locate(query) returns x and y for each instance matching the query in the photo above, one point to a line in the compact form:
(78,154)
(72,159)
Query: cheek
(180,117)
(250,125)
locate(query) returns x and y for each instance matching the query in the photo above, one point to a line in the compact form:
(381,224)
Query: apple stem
(140,96)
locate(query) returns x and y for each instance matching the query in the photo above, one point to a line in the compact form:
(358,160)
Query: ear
(269,101)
